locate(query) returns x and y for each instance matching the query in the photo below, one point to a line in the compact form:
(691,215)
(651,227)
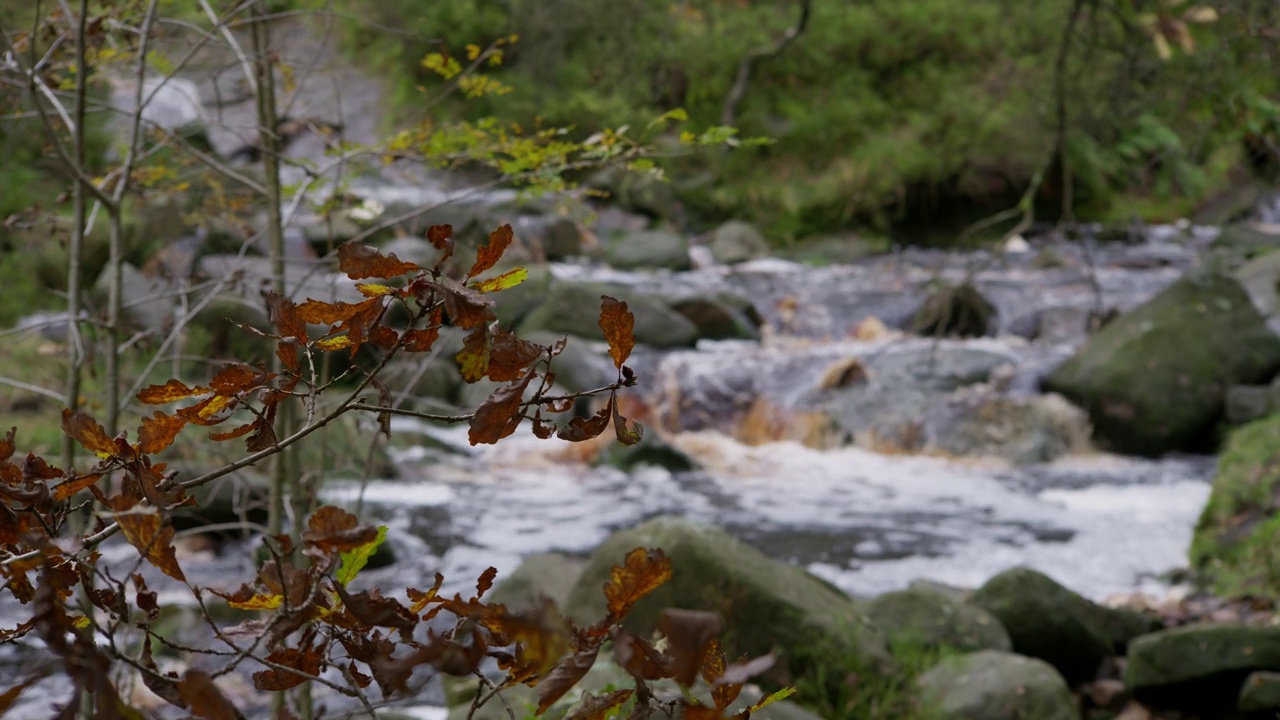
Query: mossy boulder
(996,685)
(1260,692)
(737,241)
(1155,380)
(936,620)
(649,249)
(550,575)
(1046,620)
(767,605)
(1199,665)
(1236,546)
(574,308)
(1240,242)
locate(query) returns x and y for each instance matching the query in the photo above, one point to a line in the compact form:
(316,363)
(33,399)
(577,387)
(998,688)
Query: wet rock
(433,379)
(1197,666)
(996,685)
(1155,379)
(562,239)
(649,249)
(652,450)
(1236,540)
(737,241)
(1261,692)
(550,575)
(936,620)
(1023,430)
(574,308)
(770,605)
(583,365)
(955,311)
(1242,242)
(725,317)
(1046,620)
(515,303)
(836,250)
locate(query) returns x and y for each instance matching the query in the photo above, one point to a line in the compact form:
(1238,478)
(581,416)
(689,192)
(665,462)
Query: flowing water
(868,522)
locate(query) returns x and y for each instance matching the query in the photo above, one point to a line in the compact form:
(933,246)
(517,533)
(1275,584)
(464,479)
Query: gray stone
(935,621)
(649,249)
(737,241)
(996,685)
(1023,430)
(1046,620)
(770,605)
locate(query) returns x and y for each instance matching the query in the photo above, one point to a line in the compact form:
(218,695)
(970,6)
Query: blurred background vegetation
(906,117)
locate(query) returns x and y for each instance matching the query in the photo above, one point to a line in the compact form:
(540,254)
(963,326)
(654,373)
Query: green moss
(843,687)
(1236,545)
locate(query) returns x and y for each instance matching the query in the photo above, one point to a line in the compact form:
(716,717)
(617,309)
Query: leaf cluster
(314,621)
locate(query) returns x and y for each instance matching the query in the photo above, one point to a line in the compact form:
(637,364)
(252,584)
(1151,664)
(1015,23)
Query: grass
(845,688)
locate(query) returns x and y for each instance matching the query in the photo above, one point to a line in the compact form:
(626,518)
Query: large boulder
(1237,540)
(767,605)
(1154,380)
(574,308)
(996,685)
(649,249)
(1046,620)
(1240,242)
(1199,665)
(935,620)
(737,241)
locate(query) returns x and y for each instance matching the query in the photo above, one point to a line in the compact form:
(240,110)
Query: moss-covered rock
(1155,379)
(767,605)
(1046,620)
(996,685)
(936,620)
(550,575)
(737,241)
(1199,665)
(1241,242)
(1236,546)
(1260,692)
(574,308)
(649,249)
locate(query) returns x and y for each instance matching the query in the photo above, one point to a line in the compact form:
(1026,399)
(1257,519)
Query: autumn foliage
(302,621)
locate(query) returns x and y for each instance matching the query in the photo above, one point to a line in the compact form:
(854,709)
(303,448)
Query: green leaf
(353,561)
(771,698)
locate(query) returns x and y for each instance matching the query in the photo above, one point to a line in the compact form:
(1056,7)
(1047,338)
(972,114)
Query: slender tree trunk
(264,93)
(1060,92)
(75,247)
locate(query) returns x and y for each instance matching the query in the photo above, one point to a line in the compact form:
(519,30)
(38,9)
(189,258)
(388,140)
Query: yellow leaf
(508,279)
(374,289)
(258,602)
(334,343)
(473,51)
(80,622)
